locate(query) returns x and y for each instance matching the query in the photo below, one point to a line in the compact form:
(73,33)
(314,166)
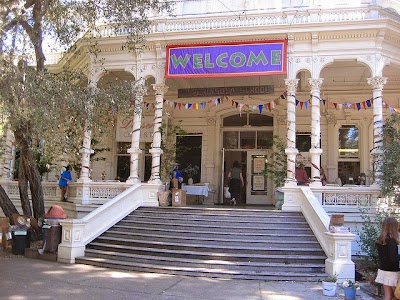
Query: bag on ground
(227,194)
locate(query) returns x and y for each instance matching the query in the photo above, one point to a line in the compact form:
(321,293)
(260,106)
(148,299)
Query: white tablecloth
(199,190)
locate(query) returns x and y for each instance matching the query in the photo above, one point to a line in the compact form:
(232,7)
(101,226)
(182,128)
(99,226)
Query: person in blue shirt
(175,173)
(65,177)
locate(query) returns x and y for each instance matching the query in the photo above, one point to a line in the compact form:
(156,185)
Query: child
(65,177)
(388,272)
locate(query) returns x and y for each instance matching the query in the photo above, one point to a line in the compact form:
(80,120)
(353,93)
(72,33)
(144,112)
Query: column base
(133,180)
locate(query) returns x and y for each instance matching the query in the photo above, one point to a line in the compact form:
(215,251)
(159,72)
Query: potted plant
(191,171)
(350,288)
(329,285)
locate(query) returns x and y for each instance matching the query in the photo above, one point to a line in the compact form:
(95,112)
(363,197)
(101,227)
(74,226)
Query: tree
(388,159)
(276,166)
(38,105)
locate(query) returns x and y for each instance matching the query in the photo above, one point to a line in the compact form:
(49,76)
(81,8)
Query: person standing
(301,175)
(324,179)
(65,177)
(235,182)
(388,272)
(176,174)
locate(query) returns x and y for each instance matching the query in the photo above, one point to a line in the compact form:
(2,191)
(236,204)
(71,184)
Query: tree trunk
(6,204)
(31,171)
(23,188)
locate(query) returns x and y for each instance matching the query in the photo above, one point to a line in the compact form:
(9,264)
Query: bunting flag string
(365,104)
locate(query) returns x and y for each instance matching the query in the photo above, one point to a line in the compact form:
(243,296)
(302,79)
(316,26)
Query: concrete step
(212,263)
(234,239)
(221,254)
(275,234)
(205,272)
(211,242)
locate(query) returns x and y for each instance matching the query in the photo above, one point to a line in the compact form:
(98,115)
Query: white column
(85,161)
(87,139)
(377,84)
(135,151)
(315,151)
(156,151)
(8,153)
(291,151)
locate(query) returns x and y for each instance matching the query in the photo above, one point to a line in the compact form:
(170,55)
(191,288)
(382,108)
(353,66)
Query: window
(123,161)
(303,141)
(348,141)
(248,139)
(189,154)
(247,119)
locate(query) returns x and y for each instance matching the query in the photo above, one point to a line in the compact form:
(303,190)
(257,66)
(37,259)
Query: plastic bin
(20,241)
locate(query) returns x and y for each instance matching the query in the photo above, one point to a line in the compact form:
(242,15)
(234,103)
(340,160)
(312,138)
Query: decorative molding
(291,85)
(160,88)
(377,82)
(211,121)
(282,120)
(315,83)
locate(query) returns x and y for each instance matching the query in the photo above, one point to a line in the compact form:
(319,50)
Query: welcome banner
(227,59)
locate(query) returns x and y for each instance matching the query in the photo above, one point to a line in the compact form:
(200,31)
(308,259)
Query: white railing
(348,197)
(337,247)
(77,233)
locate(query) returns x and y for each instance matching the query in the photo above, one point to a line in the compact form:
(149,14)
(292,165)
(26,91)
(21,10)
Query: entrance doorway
(257,188)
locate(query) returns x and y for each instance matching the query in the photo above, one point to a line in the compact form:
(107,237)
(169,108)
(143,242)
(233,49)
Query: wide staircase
(211,242)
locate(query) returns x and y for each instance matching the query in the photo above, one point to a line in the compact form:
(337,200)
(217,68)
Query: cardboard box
(336,220)
(175,183)
(178,197)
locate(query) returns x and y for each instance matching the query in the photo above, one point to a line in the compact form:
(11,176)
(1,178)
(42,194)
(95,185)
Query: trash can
(52,229)
(20,241)
(52,237)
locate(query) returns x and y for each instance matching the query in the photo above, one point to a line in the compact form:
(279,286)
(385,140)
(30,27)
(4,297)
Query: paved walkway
(24,278)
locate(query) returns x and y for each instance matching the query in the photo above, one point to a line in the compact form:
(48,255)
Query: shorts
(389,278)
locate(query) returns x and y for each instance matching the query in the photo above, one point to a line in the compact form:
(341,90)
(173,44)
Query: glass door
(259,187)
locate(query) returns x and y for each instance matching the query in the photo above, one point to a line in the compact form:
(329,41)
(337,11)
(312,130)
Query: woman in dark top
(235,182)
(388,272)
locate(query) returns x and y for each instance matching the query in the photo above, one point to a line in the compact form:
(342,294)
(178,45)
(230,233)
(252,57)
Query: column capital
(377,82)
(160,88)
(315,83)
(291,85)
(140,89)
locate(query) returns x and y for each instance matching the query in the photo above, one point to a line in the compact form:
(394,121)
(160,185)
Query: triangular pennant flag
(301,105)
(203,105)
(335,105)
(324,102)
(236,104)
(269,106)
(297,102)
(196,106)
(179,105)
(306,104)
(340,106)
(189,105)
(283,96)
(260,107)
(358,105)
(273,105)
(364,105)
(391,110)
(368,102)
(233,103)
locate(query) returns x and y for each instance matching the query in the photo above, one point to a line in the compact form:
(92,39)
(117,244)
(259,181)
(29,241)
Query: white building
(325,91)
